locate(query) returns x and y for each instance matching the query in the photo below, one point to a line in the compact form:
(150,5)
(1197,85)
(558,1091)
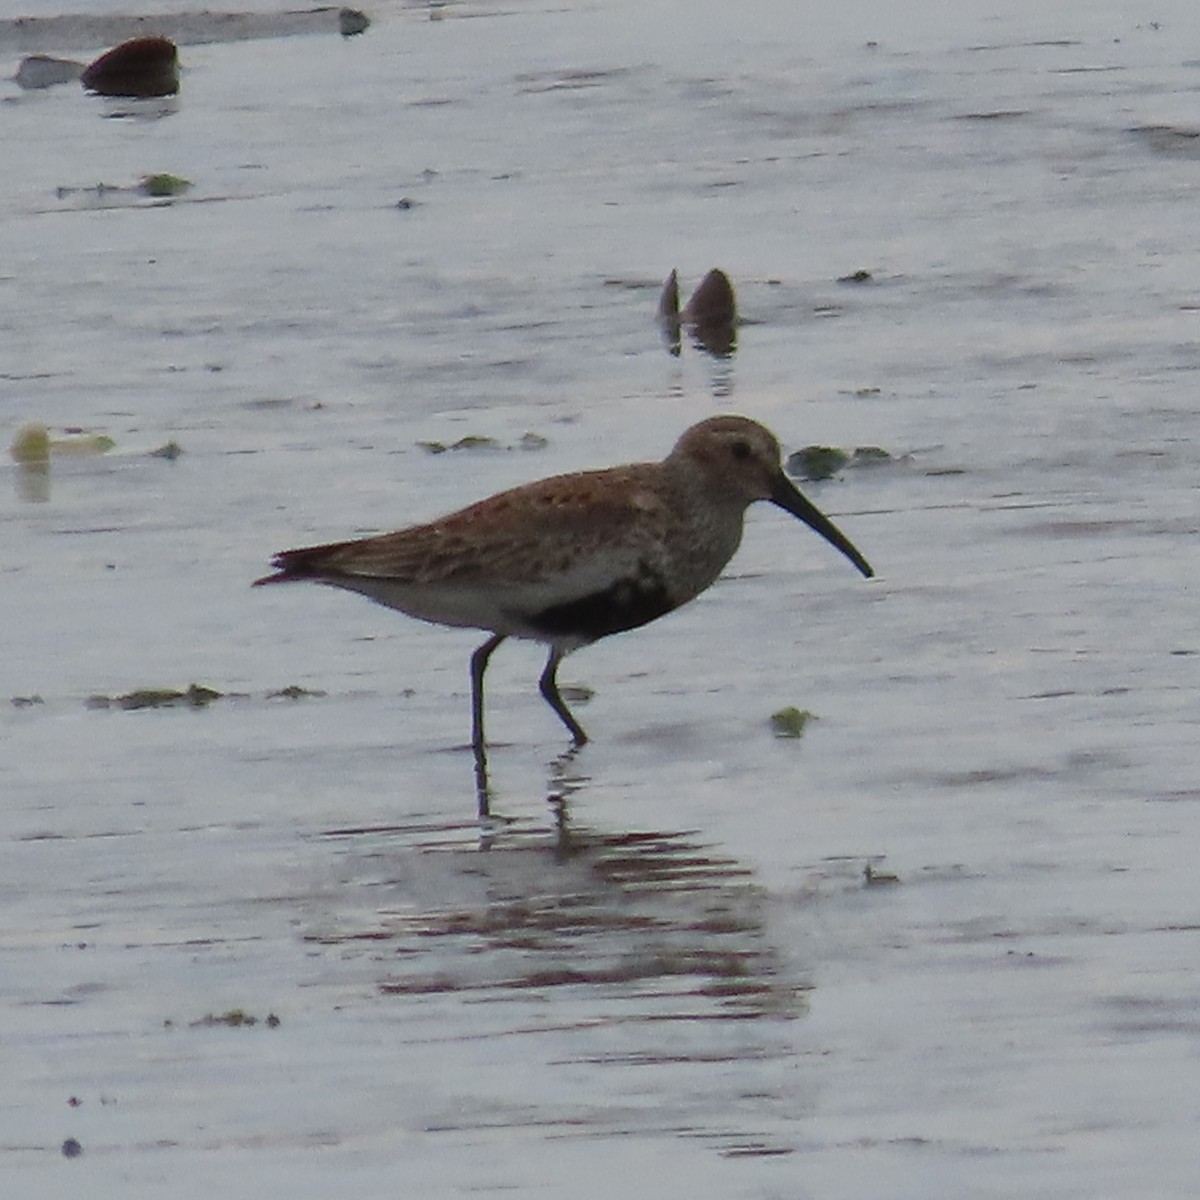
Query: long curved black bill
(788,498)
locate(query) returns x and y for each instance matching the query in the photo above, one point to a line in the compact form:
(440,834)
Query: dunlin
(574,558)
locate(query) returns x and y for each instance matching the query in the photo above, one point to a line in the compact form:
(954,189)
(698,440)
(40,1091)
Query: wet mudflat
(946,942)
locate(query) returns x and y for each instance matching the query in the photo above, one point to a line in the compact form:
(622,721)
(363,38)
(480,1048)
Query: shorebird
(569,560)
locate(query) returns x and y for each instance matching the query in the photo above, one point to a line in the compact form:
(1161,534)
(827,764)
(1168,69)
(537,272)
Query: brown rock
(141,68)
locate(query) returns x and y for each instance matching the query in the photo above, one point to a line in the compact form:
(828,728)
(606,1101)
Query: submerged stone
(816,462)
(43,71)
(351,21)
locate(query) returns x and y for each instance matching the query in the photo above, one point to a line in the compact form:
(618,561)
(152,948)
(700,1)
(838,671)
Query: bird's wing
(564,537)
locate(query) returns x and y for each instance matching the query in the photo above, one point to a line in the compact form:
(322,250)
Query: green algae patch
(791,722)
(163,183)
(195,695)
(815,463)
(33,444)
(169,450)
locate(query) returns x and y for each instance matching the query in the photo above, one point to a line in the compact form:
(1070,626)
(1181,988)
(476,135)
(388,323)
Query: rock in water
(138,69)
(712,302)
(351,21)
(711,314)
(43,71)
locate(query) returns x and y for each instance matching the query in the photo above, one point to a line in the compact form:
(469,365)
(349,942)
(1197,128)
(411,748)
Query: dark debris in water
(158,186)
(1175,141)
(876,878)
(478,441)
(294,692)
(234,1018)
(195,695)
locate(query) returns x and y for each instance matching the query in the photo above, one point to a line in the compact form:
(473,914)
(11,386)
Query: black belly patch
(628,603)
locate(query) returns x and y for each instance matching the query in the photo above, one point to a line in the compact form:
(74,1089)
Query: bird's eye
(740,450)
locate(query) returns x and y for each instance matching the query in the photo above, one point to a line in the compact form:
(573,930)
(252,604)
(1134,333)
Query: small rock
(711,315)
(138,69)
(71,1148)
(713,302)
(352,22)
(43,71)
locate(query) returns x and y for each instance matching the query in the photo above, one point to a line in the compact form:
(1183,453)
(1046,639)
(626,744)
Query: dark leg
(548,684)
(479,662)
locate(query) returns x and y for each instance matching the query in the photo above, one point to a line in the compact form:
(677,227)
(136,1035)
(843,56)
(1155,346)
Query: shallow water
(670,960)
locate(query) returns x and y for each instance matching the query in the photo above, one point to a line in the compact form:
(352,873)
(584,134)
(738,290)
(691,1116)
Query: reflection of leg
(564,783)
(479,662)
(549,689)
(483,797)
